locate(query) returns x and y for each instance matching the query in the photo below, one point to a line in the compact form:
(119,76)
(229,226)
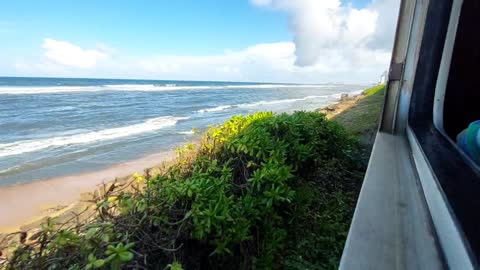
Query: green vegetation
(373,90)
(262,191)
(362,118)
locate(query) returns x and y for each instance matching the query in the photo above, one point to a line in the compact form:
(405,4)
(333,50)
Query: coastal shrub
(261,191)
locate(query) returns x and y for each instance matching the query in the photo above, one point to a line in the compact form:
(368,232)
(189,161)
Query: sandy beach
(25,203)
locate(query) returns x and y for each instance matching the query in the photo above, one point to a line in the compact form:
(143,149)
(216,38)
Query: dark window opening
(462,95)
(458,179)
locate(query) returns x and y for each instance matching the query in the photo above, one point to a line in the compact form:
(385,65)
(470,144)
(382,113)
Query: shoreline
(24,204)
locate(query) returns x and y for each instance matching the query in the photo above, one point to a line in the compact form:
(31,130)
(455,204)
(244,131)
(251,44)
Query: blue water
(51,127)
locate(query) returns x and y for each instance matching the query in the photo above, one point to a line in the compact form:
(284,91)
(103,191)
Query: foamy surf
(263,103)
(216,109)
(190,132)
(140,87)
(280,101)
(20,147)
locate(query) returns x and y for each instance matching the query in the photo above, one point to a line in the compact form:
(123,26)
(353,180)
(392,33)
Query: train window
(456,112)
(445,101)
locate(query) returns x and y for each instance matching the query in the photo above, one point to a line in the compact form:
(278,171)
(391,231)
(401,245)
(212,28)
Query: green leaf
(176,266)
(98,263)
(105,237)
(111,257)
(74,267)
(91,233)
(91,257)
(125,256)
(129,245)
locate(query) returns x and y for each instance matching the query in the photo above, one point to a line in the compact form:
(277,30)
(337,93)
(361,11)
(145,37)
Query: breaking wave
(264,103)
(25,146)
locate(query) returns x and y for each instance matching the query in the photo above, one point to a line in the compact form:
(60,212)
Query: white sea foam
(351,93)
(25,146)
(190,132)
(216,109)
(356,92)
(262,103)
(139,87)
(279,101)
(2,172)
(337,95)
(276,86)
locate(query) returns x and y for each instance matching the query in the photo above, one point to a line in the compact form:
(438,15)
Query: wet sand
(23,203)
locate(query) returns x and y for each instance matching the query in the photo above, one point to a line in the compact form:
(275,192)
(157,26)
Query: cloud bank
(70,55)
(331,43)
(327,29)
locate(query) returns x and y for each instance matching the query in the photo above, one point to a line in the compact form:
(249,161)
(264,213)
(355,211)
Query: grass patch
(362,118)
(262,191)
(373,90)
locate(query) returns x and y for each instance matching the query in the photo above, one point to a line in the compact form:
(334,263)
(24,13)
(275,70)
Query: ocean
(52,127)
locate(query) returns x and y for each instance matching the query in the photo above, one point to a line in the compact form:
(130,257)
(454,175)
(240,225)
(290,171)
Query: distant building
(383,78)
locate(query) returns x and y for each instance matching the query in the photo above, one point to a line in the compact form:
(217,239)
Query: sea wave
(189,132)
(216,109)
(264,103)
(280,101)
(25,146)
(356,92)
(139,87)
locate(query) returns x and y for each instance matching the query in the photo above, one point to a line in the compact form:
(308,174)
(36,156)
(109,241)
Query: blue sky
(158,39)
(152,26)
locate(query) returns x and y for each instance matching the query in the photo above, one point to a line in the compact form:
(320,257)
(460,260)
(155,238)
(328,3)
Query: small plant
(118,255)
(175,266)
(94,263)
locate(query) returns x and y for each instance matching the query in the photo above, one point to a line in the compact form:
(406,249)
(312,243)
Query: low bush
(262,191)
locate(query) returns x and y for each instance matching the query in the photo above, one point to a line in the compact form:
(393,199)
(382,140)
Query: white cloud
(68,54)
(268,62)
(261,62)
(386,23)
(273,62)
(326,31)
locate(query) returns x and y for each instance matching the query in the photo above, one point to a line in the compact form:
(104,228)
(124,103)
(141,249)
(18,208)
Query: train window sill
(391,227)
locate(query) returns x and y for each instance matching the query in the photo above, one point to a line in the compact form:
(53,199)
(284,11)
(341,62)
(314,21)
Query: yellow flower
(112,198)
(138,177)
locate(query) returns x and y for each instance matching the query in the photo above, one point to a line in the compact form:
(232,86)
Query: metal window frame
(450,185)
